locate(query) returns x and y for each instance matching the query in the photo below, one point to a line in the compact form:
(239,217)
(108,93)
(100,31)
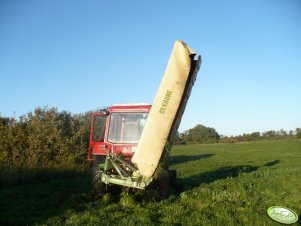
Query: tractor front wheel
(98,187)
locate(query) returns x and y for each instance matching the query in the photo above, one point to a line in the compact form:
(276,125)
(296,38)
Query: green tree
(201,134)
(269,134)
(179,138)
(6,140)
(298,133)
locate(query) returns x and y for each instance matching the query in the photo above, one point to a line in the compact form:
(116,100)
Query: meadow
(217,184)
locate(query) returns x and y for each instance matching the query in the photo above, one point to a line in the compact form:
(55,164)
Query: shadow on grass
(173,160)
(32,196)
(184,184)
(272,163)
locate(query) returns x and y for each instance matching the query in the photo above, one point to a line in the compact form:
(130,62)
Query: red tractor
(114,136)
(130,144)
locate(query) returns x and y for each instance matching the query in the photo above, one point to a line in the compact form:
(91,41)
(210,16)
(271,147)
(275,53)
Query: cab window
(98,128)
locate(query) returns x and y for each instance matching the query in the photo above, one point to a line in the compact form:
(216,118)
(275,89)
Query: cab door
(97,135)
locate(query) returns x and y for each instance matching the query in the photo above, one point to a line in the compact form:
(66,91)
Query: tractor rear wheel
(164,185)
(98,187)
(172,177)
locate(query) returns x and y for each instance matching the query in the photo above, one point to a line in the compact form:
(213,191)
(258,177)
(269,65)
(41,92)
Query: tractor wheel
(166,182)
(98,187)
(164,185)
(172,177)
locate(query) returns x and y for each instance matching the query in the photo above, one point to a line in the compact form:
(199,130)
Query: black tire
(164,186)
(166,182)
(98,187)
(172,177)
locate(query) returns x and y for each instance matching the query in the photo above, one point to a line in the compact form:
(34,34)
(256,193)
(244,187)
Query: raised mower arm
(167,109)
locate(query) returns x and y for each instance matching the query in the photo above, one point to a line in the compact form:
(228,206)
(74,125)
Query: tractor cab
(117,130)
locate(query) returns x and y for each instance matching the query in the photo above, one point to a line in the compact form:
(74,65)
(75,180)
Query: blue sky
(81,55)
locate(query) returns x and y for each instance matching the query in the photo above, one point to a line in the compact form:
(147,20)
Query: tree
(179,138)
(298,133)
(201,134)
(269,134)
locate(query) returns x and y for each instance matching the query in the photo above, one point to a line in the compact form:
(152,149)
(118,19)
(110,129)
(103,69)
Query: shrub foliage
(44,137)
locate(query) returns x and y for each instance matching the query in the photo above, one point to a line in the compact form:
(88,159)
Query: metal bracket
(128,175)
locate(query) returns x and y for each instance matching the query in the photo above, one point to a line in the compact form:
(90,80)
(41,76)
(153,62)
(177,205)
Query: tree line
(268,135)
(48,137)
(206,135)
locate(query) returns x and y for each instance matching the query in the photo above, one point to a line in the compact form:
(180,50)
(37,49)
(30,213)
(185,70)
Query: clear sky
(81,55)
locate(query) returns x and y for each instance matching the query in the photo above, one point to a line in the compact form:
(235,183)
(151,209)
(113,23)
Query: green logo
(165,102)
(282,215)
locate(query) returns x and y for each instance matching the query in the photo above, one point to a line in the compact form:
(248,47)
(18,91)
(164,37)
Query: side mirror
(104,112)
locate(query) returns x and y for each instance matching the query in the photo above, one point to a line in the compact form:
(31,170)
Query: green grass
(218,184)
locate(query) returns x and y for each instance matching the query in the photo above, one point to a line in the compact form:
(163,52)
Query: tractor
(130,143)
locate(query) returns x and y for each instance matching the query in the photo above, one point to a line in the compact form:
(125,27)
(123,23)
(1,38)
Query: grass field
(219,184)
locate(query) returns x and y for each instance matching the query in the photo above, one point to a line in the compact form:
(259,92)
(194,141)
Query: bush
(44,137)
